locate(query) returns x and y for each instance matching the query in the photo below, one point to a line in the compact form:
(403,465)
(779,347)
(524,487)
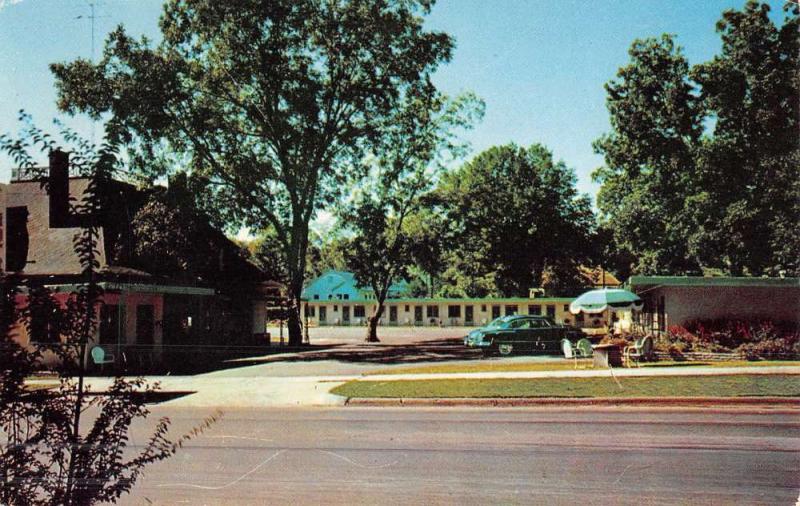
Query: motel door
(468,314)
(345,314)
(144,324)
(418,313)
(393,314)
(323,313)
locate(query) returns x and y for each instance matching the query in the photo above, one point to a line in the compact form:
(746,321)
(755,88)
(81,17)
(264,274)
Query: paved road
(462,456)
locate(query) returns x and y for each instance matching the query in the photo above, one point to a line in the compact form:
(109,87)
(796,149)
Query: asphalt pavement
(478,456)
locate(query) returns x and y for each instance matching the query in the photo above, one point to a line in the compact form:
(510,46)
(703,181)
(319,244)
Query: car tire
(505,349)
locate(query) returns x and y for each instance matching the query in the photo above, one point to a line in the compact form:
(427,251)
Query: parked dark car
(522,334)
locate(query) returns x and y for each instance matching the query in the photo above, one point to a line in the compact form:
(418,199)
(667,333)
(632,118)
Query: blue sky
(539,65)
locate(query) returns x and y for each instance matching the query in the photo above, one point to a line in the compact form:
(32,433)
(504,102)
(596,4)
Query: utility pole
(91,17)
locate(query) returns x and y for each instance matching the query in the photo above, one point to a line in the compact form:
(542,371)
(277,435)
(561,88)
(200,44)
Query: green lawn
(490,366)
(786,385)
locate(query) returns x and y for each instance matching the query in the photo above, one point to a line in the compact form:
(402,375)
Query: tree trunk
(372,323)
(297,269)
(294,321)
(294,325)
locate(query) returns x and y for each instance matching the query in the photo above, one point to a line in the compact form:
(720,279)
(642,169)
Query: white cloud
(8,3)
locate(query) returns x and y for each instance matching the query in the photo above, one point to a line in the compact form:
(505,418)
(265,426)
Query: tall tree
(649,162)
(414,146)
(429,234)
(748,167)
(271,102)
(516,213)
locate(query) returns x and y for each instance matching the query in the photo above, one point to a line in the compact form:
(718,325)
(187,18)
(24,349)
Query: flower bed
(752,340)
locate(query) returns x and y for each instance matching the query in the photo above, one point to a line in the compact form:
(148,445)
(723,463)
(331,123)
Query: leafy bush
(753,339)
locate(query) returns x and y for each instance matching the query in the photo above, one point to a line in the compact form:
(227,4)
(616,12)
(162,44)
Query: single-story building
(675,300)
(335,299)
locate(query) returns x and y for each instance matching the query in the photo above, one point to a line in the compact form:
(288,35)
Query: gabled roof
(344,281)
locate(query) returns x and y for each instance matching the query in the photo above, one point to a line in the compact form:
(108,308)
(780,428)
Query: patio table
(607,355)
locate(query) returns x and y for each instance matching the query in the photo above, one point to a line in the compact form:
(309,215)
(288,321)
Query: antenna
(91,17)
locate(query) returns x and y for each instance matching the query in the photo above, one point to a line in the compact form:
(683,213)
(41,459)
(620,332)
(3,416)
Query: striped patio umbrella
(597,301)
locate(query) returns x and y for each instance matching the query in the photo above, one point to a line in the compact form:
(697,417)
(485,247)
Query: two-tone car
(521,334)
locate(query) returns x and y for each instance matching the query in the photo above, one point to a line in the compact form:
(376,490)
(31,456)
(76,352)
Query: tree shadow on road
(441,350)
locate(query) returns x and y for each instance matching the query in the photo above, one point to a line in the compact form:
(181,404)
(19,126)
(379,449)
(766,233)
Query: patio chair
(640,350)
(584,347)
(577,351)
(99,357)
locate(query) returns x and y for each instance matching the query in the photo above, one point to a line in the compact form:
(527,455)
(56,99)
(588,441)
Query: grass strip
(782,385)
(502,366)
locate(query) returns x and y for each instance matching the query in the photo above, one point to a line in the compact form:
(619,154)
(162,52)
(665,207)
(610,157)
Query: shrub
(752,338)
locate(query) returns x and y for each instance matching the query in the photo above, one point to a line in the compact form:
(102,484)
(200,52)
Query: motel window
(407,308)
(535,309)
(433,311)
(551,311)
(483,308)
(335,308)
(566,308)
(310,311)
(454,311)
(511,310)
(358,311)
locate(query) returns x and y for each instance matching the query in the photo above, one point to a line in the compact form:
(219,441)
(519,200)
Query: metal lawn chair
(100,357)
(640,350)
(582,349)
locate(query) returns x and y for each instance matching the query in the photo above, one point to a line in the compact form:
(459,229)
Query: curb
(710,402)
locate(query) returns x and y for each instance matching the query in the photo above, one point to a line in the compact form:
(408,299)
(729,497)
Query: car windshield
(498,322)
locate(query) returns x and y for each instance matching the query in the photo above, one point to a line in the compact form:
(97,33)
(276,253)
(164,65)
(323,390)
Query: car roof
(518,316)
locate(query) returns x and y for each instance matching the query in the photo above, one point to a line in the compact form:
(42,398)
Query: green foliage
(271,102)
(681,198)
(50,454)
(749,168)
(649,157)
(515,214)
(413,147)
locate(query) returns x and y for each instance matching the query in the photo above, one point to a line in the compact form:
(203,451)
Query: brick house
(144,318)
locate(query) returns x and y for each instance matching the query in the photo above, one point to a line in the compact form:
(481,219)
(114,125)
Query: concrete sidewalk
(215,390)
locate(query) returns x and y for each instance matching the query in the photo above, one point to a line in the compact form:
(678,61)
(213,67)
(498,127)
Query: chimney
(58,188)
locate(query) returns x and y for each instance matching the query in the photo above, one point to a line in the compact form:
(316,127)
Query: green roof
(700,281)
(425,300)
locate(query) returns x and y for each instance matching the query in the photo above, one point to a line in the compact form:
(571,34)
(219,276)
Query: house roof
(700,281)
(345,279)
(599,277)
